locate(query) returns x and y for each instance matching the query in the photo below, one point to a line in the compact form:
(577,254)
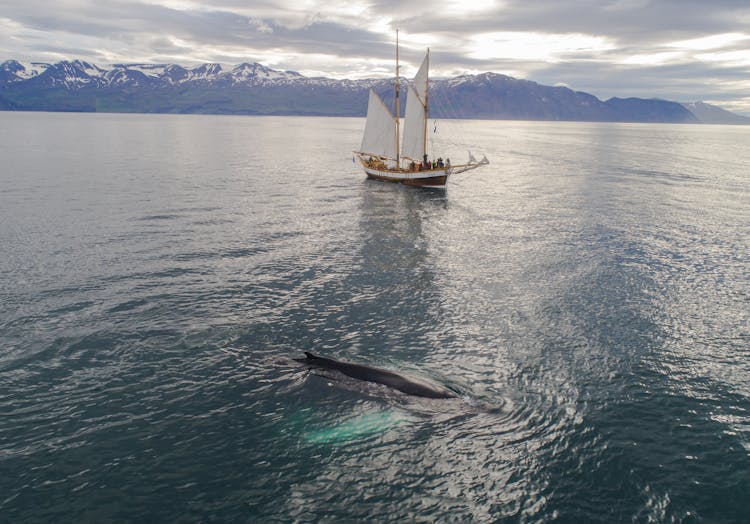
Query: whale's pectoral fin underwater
(406,384)
(357,427)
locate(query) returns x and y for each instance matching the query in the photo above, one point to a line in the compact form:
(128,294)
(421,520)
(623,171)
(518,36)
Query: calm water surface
(587,294)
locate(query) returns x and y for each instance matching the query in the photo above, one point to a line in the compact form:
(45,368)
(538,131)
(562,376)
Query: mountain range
(253,89)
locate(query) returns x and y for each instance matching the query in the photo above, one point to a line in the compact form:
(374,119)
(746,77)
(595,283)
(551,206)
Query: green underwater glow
(361,426)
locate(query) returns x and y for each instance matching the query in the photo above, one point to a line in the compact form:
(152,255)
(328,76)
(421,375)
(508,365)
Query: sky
(682,50)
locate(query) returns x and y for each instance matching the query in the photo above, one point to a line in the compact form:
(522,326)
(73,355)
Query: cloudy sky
(683,50)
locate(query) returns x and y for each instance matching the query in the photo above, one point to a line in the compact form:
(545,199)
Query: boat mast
(398,107)
(426,104)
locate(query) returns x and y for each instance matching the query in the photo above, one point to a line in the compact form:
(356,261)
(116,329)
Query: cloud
(668,48)
(548,47)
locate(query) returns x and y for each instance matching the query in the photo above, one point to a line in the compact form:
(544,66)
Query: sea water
(587,294)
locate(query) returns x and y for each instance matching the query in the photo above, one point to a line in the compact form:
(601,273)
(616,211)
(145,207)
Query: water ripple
(586,295)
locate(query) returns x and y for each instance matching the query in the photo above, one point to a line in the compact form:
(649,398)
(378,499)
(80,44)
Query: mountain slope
(710,114)
(251,88)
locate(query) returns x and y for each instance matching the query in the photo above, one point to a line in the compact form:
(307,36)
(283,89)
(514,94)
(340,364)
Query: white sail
(413,143)
(420,81)
(380,129)
(413,140)
(379,154)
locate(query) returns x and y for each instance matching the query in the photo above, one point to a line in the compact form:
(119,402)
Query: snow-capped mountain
(252,88)
(77,73)
(14,71)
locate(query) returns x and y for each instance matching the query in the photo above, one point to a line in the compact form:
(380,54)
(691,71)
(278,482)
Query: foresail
(413,139)
(380,129)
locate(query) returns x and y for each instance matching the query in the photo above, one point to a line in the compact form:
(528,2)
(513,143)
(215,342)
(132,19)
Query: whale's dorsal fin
(311,356)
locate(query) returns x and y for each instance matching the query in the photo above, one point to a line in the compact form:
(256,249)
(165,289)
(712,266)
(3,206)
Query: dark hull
(433,181)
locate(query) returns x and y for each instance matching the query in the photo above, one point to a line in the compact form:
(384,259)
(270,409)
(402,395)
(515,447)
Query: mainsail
(415,119)
(380,129)
(413,140)
(420,81)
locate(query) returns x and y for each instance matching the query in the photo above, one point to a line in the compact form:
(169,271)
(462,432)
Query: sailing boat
(385,155)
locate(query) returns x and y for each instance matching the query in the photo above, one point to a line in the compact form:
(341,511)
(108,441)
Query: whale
(406,384)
